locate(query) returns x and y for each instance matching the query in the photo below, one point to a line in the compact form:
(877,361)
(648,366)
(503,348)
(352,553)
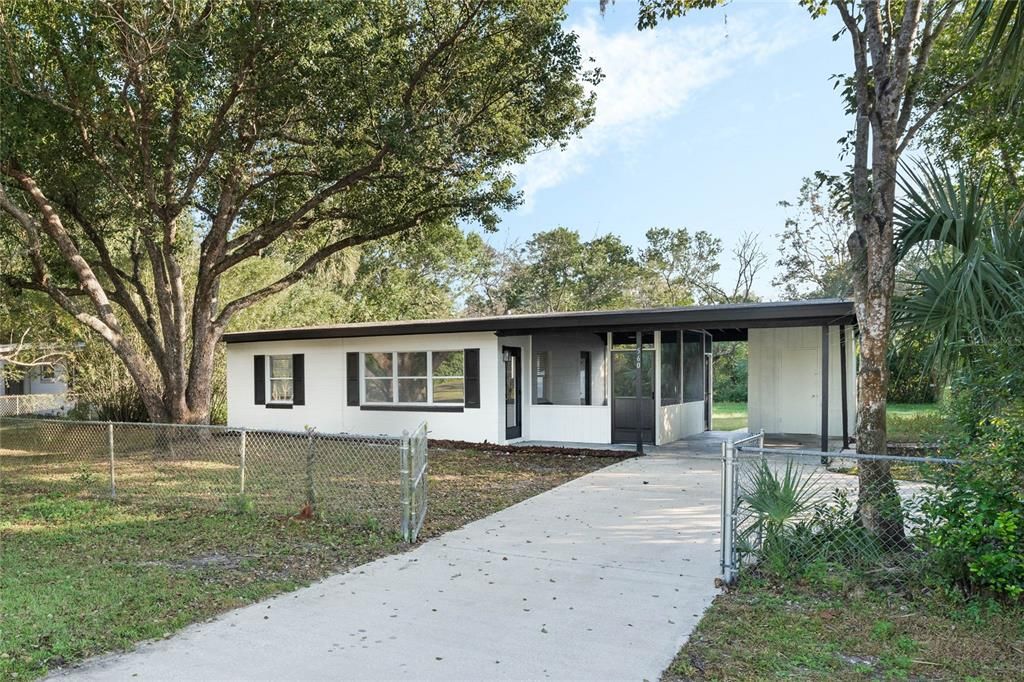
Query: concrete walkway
(601,578)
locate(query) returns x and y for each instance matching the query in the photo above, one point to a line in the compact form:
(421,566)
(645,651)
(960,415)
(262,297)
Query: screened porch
(616,386)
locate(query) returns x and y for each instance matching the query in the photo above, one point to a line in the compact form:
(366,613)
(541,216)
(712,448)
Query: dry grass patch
(763,631)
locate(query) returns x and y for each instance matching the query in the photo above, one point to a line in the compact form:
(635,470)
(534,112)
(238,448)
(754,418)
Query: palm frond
(971,288)
(1003,22)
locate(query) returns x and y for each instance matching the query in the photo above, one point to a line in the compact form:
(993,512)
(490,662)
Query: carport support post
(110,450)
(639,389)
(842,385)
(824,391)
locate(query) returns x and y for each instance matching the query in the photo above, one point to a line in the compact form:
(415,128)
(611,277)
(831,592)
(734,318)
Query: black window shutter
(352,378)
(298,379)
(259,378)
(472,377)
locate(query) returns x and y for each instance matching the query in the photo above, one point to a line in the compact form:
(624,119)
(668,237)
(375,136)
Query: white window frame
(395,377)
(271,379)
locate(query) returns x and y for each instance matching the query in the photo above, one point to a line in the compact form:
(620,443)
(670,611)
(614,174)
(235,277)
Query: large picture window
(414,377)
(693,367)
(282,384)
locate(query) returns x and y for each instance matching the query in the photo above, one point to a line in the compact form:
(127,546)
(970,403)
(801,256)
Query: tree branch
(315,259)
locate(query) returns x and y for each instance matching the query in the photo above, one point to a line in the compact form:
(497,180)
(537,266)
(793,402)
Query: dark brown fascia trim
(810,313)
(412,408)
(690,326)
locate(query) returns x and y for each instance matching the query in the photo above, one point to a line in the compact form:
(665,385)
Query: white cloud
(648,77)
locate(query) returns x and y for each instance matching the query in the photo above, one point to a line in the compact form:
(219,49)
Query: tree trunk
(878,503)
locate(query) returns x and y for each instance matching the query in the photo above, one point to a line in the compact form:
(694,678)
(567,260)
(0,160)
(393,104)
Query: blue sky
(706,122)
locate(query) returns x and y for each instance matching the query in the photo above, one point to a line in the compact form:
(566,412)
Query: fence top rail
(839,454)
(749,439)
(209,427)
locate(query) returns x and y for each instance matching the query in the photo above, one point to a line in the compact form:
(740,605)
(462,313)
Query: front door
(513,391)
(632,388)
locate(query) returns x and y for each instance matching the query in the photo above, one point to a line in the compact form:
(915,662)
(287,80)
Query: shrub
(990,381)
(911,380)
(974,521)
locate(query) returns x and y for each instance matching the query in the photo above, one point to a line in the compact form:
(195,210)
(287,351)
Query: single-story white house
(623,376)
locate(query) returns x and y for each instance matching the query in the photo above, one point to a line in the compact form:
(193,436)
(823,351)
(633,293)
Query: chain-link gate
(786,508)
(414,477)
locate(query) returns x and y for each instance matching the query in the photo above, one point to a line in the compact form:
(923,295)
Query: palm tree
(968,289)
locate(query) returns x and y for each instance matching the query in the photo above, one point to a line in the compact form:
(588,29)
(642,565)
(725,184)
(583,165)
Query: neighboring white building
(42,380)
(591,377)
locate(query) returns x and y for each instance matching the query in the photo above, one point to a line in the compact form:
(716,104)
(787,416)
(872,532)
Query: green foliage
(970,288)
(920,423)
(911,380)
(814,261)
(999,27)
(989,381)
(982,126)
(167,147)
(777,503)
(559,271)
(678,268)
(102,388)
(653,11)
(973,522)
(731,371)
(242,504)
(797,530)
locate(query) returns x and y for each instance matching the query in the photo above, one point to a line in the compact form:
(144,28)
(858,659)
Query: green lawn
(907,423)
(81,575)
(914,423)
(728,416)
(761,631)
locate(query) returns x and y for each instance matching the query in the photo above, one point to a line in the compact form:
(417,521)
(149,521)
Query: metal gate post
(728,506)
(241,475)
(405,476)
(110,449)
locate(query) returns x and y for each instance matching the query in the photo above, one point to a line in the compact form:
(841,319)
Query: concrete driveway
(601,578)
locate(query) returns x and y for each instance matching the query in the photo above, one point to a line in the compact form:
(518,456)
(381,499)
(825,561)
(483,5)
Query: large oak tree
(147,149)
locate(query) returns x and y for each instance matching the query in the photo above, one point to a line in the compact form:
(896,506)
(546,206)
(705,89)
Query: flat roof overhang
(728,322)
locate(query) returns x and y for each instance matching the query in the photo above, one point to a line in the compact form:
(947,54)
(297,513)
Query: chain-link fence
(792,510)
(34,403)
(215,467)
